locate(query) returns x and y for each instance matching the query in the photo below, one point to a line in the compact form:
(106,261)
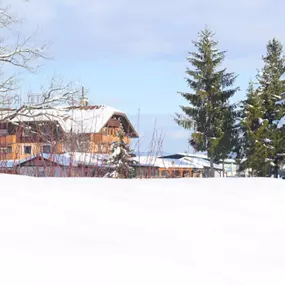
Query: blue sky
(131,54)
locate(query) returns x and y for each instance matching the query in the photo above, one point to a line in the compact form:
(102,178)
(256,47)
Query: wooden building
(88,129)
(149,167)
(58,165)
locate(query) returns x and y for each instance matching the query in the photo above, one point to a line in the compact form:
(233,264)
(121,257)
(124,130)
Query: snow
(79,120)
(167,163)
(281,102)
(85,158)
(243,160)
(202,162)
(107,231)
(116,152)
(199,160)
(281,123)
(65,159)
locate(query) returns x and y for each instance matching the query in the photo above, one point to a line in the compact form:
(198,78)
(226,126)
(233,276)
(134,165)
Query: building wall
(96,143)
(100,143)
(207,172)
(44,171)
(60,171)
(18,150)
(175,172)
(146,172)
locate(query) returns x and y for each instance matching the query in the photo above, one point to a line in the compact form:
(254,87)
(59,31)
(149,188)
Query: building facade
(88,129)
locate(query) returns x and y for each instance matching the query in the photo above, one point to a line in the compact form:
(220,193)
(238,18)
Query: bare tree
(16,52)
(55,99)
(21,54)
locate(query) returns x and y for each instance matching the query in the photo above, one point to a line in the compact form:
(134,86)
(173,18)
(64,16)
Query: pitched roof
(89,119)
(65,159)
(166,163)
(201,159)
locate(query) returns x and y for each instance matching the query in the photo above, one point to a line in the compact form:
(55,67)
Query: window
(46,149)
(3,132)
(6,149)
(27,149)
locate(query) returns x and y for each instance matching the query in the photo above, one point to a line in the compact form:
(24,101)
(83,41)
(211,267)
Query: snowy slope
(142,232)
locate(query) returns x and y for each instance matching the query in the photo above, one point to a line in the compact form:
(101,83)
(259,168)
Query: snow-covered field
(101,231)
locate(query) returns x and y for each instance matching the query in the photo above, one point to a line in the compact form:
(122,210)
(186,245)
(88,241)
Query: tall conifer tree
(271,88)
(209,112)
(254,131)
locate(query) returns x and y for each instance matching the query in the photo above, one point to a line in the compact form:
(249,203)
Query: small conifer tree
(121,158)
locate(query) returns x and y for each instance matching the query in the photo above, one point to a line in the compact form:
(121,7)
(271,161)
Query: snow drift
(132,232)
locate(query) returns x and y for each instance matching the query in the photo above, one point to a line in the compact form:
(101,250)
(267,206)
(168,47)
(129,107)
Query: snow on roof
(77,159)
(86,158)
(204,156)
(65,159)
(90,119)
(56,158)
(8,163)
(200,156)
(166,163)
(202,162)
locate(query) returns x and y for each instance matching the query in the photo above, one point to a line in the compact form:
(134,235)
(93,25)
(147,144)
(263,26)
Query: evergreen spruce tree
(281,104)
(229,140)
(253,143)
(209,112)
(271,89)
(121,158)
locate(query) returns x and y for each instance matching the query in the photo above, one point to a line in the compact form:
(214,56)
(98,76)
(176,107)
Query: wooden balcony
(8,140)
(105,139)
(31,139)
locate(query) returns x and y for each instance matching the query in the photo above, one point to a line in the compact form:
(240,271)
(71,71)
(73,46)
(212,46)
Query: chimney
(83,100)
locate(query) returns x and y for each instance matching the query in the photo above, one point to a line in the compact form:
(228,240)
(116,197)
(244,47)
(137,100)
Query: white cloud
(151,27)
(38,12)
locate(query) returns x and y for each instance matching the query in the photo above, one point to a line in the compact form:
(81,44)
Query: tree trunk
(223,168)
(276,168)
(212,170)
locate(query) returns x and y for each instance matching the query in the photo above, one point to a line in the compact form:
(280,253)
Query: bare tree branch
(6,20)
(16,51)
(56,99)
